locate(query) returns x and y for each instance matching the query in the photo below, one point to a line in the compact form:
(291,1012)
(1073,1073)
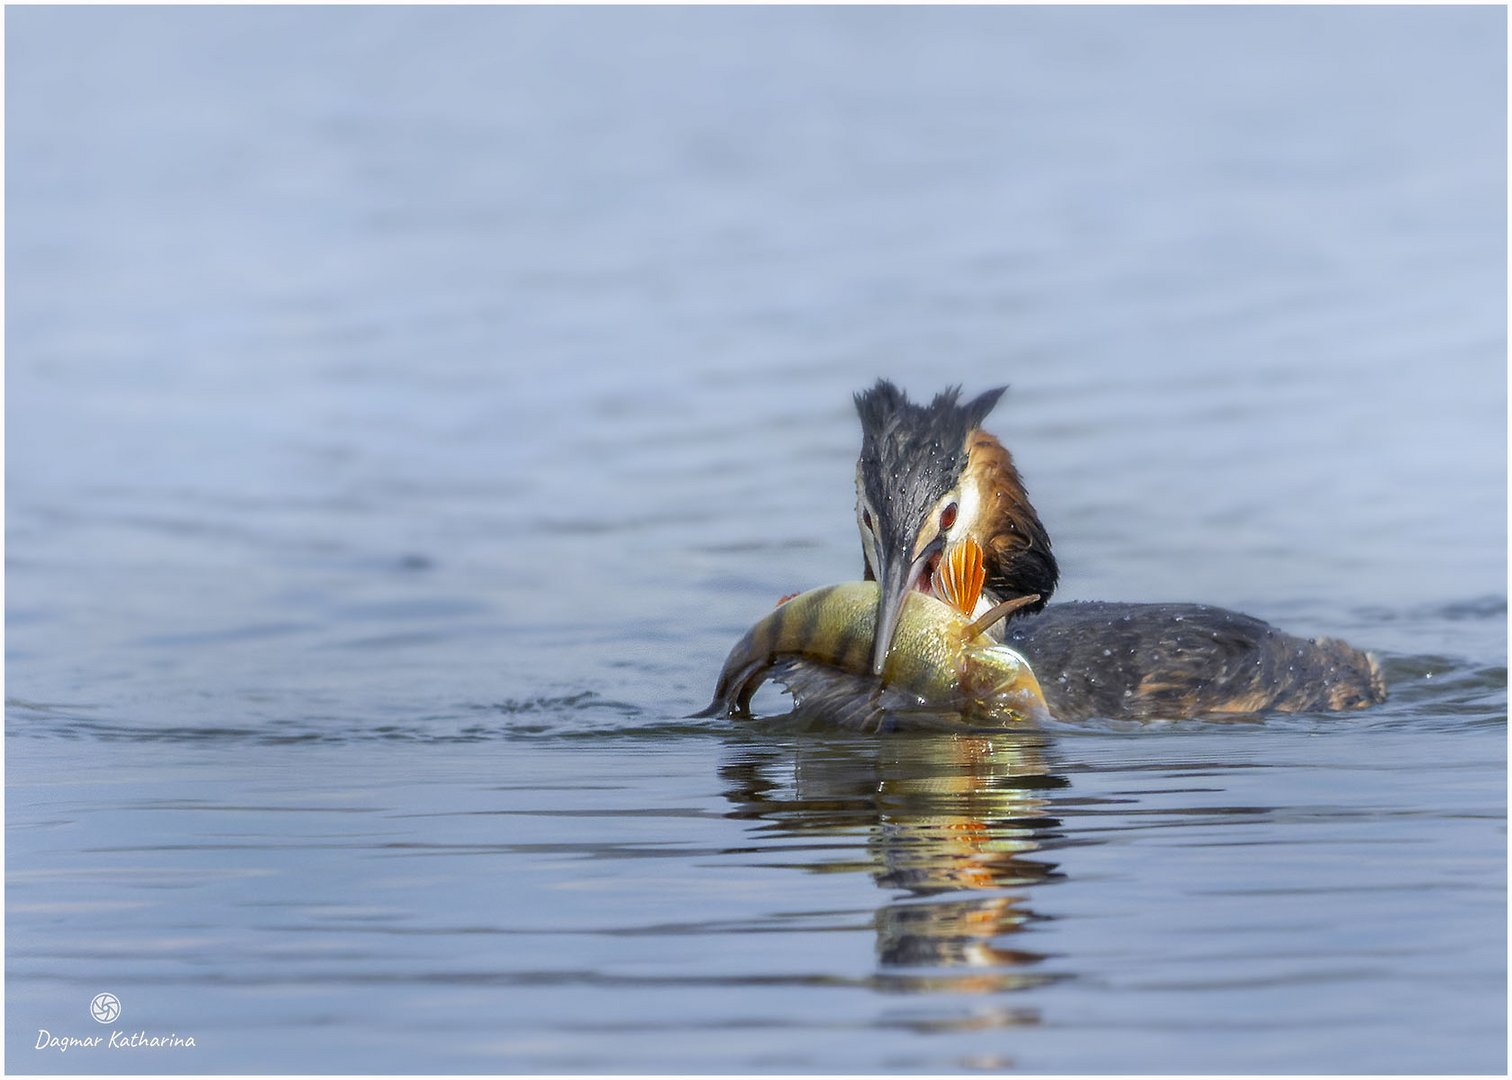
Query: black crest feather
(911,455)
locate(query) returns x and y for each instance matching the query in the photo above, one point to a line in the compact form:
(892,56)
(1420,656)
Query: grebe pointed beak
(900,575)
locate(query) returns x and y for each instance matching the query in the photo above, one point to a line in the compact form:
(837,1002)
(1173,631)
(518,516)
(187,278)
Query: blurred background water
(407,408)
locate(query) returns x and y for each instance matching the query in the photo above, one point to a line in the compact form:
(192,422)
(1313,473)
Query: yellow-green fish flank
(937,657)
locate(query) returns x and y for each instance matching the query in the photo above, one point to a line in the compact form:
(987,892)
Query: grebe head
(915,492)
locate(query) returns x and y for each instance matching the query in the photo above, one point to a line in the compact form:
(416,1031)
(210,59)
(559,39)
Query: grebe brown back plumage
(929,476)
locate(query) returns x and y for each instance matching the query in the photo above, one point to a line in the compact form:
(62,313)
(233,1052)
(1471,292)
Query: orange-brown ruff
(929,477)
(1016,546)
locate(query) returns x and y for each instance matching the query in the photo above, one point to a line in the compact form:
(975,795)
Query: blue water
(408,408)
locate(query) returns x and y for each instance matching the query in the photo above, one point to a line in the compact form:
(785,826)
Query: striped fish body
(935,662)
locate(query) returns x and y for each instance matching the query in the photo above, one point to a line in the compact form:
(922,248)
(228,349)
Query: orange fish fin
(784,599)
(959,578)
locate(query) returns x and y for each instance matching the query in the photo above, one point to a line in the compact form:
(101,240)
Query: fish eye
(947,517)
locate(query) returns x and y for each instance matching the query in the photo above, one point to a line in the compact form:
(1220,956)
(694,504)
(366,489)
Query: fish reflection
(950,823)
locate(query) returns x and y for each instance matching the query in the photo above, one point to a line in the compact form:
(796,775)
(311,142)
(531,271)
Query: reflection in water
(949,821)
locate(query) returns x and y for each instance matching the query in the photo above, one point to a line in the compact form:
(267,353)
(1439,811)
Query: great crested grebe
(929,477)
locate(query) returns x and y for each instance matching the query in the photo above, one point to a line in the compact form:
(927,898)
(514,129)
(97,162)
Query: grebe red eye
(947,517)
(866,518)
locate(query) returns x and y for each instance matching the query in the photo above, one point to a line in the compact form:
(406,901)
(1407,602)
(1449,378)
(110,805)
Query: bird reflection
(950,823)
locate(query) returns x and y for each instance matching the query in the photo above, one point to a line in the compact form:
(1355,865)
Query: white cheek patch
(968,509)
